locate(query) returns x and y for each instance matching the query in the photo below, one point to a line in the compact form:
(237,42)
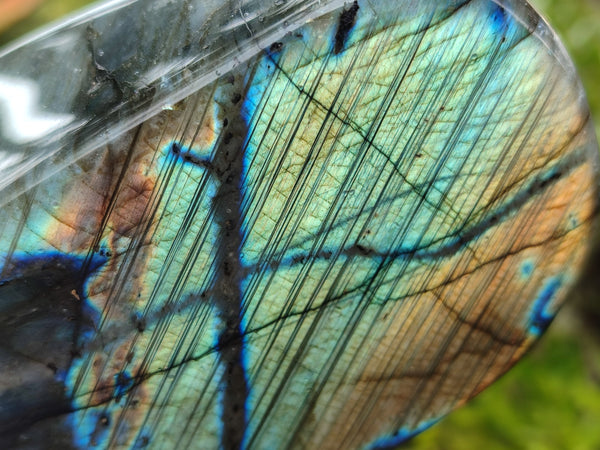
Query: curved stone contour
(332,245)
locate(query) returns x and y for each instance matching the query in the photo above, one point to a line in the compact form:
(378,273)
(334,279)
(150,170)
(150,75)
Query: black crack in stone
(347,21)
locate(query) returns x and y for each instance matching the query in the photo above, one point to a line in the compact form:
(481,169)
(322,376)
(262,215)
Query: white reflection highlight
(22,119)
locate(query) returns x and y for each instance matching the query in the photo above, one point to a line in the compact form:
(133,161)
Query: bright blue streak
(541,316)
(403,435)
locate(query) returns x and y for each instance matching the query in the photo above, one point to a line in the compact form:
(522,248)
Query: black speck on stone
(142,442)
(236,98)
(276,47)
(347,21)
(104,420)
(175,148)
(139,322)
(363,250)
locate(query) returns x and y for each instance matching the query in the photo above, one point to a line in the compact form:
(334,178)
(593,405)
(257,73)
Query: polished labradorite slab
(281,224)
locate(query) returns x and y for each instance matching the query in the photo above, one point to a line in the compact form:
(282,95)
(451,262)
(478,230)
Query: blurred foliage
(578,24)
(550,400)
(11,12)
(48,11)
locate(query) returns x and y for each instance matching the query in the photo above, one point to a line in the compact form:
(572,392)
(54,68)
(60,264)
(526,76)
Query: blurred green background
(550,400)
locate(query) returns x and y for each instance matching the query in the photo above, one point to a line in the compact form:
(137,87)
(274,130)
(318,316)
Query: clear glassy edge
(157,74)
(165,74)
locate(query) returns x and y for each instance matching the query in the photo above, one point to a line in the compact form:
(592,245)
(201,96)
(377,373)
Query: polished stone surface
(281,224)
